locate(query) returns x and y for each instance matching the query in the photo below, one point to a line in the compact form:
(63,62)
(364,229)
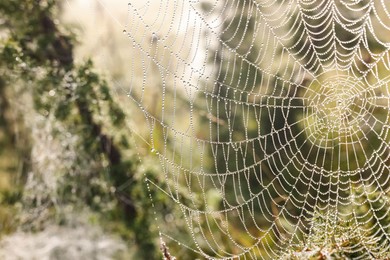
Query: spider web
(270,120)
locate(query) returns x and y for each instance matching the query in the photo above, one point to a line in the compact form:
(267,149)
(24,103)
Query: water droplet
(52,93)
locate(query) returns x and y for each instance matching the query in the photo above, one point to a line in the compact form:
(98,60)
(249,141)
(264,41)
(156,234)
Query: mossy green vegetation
(72,139)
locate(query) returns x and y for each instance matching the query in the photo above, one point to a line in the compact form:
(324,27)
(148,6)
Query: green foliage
(105,175)
(361,234)
(230,122)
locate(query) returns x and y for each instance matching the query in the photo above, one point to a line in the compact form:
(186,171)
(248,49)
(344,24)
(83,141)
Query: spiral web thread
(270,120)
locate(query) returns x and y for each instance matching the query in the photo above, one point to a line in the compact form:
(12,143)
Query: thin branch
(164,250)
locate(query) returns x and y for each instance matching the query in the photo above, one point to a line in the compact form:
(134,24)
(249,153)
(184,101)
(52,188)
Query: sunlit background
(194,129)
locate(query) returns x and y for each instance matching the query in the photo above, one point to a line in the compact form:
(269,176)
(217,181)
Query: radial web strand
(270,120)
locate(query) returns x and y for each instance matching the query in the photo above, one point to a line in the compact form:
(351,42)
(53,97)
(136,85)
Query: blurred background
(142,129)
(71,180)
